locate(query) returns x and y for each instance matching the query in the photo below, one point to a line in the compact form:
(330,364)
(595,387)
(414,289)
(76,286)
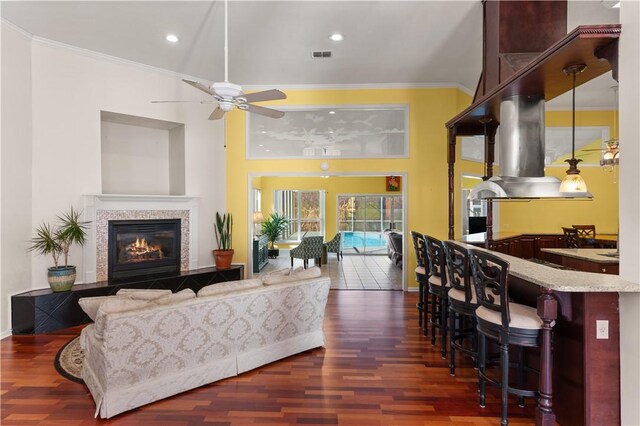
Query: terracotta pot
(223,258)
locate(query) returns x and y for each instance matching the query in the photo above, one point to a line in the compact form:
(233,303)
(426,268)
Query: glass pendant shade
(573,184)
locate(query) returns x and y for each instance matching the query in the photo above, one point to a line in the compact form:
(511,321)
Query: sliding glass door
(362,220)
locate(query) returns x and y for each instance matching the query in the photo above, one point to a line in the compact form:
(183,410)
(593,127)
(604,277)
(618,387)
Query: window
(363,218)
(305,209)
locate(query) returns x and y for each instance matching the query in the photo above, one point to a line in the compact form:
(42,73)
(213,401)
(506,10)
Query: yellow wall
(550,216)
(426,165)
(333,186)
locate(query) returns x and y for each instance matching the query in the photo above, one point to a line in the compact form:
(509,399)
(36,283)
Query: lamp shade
(257,217)
(573,183)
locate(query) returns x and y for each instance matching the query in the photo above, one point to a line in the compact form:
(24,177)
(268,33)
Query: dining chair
(586,234)
(571,239)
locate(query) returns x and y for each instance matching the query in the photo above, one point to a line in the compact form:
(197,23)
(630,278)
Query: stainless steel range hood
(521,147)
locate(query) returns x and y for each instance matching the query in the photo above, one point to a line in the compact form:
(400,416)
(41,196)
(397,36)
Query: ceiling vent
(321,54)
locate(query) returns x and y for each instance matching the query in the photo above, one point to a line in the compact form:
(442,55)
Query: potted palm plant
(273,227)
(57,241)
(224,234)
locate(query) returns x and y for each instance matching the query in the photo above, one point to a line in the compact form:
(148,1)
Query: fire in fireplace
(142,247)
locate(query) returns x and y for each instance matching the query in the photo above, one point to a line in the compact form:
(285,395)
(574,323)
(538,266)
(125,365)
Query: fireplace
(143,247)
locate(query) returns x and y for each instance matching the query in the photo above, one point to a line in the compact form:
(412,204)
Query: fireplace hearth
(143,247)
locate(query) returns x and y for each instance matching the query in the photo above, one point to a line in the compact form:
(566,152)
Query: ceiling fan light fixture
(172,38)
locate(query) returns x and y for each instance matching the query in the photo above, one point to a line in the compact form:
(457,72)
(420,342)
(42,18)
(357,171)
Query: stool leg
(443,325)
(504,381)
(521,374)
(452,337)
(434,318)
(425,311)
(420,302)
(482,347)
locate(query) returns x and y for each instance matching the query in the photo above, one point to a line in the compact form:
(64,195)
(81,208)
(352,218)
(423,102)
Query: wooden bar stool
(571,239)
(438,289)
(422,277)
(509,324)
(462,303)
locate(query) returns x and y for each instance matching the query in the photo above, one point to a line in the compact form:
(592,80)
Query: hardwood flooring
(376,369)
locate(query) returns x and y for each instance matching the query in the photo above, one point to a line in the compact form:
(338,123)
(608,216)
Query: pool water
(358,239)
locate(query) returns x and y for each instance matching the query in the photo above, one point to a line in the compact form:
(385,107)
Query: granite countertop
(564,280)
(497,236)
(589,254)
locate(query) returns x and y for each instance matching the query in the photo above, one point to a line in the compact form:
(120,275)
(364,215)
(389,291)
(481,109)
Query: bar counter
(579,373)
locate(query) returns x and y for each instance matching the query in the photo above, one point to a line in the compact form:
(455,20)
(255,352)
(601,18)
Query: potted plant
(273,227)
(57,241)
(224,233)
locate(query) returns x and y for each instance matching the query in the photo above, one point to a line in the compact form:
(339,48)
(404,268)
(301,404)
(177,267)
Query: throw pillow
(90,305)
(142,294)
(305,274)
(185,294)
(295,275)
(116,304)
(228,287)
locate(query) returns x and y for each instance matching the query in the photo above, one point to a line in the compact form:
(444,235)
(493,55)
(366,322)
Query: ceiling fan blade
(217,114)
(263,111)
(267,95)
(199,86)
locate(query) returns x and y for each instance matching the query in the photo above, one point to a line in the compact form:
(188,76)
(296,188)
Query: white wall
(69,89)
(135,159)
(15,169)
(630,209)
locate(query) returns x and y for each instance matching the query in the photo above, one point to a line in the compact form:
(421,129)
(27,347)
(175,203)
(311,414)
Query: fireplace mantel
(99,208)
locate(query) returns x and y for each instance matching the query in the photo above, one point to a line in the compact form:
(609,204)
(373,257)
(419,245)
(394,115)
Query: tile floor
(353,272)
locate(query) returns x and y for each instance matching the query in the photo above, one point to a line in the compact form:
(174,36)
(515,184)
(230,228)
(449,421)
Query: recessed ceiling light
(264,132)
(336,37)
(172,38)
(332,112)
(261,145)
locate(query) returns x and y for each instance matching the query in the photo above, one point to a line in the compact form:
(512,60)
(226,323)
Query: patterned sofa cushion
(228,287)
(180,296)
(142,294)
(295,275)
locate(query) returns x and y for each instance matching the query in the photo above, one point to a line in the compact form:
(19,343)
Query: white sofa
(136,357)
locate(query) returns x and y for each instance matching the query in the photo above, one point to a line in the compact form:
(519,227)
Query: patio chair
(309,248)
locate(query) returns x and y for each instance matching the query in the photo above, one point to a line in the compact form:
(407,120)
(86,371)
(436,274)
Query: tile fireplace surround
(100,209)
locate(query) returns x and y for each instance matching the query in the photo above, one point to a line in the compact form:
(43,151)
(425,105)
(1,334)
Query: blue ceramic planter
(61,278)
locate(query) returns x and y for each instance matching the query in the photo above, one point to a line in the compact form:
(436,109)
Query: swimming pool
(372,240)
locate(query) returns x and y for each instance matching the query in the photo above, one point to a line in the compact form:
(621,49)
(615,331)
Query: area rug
(69,359)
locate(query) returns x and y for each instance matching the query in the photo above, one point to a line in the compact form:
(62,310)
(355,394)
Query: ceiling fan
(228,95)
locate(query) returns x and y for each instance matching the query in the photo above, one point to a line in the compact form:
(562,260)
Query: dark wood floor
(377,369)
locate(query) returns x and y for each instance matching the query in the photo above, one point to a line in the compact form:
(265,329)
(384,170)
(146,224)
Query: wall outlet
(602,329)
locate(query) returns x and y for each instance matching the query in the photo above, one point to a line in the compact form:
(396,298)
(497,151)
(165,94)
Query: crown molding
(363,86)
(22,32)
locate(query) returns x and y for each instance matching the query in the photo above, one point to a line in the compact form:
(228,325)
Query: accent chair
(309,248)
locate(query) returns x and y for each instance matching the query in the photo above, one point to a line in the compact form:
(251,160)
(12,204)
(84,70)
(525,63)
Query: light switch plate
(602,329)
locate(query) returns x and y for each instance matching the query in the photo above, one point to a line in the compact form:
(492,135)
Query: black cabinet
(40,311)
(260,253)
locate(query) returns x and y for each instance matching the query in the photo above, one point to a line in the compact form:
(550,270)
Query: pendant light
(573,182)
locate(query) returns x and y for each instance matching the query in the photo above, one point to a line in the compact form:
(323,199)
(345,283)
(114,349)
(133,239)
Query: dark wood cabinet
(260,253)
(525,246)
(41,311)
